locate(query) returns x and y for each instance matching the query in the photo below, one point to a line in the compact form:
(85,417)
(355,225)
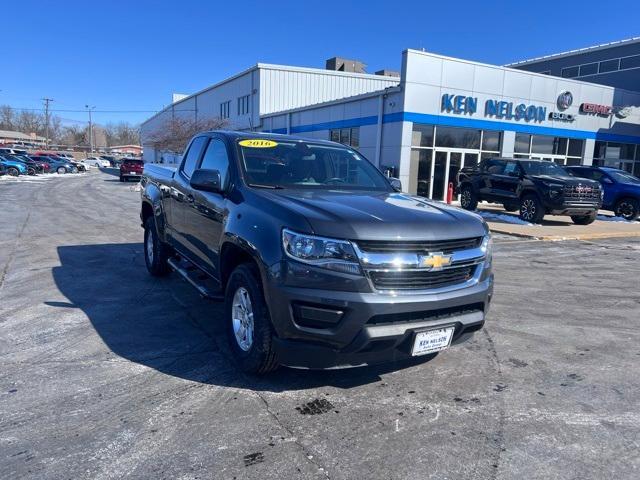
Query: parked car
(320,260)
(131,168)
(56,165)
(33,167)
(97,162)
(41,167)
(621,189)
(14,167)
(3,169)
(534,187)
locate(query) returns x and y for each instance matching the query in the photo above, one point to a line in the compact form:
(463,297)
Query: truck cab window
(216,158)
(192,156)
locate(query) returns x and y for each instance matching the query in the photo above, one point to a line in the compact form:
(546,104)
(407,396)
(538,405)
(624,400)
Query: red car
(131,168)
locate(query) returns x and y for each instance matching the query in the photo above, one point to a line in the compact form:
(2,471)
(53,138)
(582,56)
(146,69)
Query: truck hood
(378,215)
(565,180)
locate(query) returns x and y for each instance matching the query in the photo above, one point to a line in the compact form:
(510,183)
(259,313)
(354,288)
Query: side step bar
(197,279)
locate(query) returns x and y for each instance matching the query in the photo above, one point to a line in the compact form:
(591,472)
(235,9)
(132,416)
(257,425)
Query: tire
(61,170)
(121,178)
(584,219)
(14,172)
(251,345)
(156,253)
(31,171)
(468,198)
(510,207)
(531,209)
(627,208)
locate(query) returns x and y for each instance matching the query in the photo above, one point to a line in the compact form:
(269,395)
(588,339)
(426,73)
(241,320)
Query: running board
(197,279)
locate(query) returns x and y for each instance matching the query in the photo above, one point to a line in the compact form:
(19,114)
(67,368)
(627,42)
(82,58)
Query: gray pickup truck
(319,259)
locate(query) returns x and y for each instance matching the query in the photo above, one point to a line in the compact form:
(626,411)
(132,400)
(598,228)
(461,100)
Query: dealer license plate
(432,341)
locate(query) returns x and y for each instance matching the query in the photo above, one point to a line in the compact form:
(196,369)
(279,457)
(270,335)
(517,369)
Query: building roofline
(568,53)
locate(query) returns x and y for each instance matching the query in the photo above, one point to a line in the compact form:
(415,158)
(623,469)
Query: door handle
(190,198)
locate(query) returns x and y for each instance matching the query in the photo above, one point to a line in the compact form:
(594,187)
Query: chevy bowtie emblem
(435,261)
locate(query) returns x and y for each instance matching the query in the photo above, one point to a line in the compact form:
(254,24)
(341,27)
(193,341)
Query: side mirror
(206,180)
(396,184)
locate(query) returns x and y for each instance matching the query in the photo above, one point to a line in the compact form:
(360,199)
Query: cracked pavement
(109,373)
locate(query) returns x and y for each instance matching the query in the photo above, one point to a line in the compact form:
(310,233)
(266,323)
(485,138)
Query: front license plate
(432,341)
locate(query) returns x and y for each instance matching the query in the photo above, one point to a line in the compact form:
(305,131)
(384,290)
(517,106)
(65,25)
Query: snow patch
(607,218)
(504,218)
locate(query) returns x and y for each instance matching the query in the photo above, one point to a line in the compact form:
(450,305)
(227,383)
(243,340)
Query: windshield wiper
(273,187)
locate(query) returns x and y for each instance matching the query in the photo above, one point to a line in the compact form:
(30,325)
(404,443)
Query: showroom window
(346,136)
(625,156)
(565,151)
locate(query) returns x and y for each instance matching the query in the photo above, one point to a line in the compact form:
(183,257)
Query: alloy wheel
(528,209)
(625,210)
(242,318)
(465,198)
(149,245)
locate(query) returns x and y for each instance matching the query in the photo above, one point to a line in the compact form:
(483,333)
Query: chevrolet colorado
(534,187)
(319,259)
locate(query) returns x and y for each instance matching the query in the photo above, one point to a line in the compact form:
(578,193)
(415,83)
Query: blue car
(14,167)
(621,189)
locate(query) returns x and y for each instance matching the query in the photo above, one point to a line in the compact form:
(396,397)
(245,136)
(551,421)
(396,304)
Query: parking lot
(110,373)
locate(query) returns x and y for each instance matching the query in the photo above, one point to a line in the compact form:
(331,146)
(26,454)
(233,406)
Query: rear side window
(494,167)
(192,156)
(216,158)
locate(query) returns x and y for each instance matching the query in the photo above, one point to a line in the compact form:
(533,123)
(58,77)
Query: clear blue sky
(131,55)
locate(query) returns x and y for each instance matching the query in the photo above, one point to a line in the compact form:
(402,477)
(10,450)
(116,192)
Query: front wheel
(61,170)
(584,219)
(14,172)
(468,198)
(627,208)
(248,322)
(531,209)
(156,253)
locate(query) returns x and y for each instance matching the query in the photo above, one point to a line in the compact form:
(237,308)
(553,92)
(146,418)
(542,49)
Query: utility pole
(90,127)
(46,120)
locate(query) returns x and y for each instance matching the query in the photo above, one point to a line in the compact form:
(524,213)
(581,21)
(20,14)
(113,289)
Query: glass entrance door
(446,165)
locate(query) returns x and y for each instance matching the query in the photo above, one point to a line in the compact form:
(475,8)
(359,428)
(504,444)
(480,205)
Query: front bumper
(322,328)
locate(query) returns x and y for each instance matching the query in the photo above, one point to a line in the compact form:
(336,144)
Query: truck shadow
(163,324)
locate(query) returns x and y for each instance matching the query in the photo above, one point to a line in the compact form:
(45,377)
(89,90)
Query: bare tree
(174,135)
(122,133)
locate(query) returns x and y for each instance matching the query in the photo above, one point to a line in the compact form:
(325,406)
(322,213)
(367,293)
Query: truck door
(206,213)
(180,196)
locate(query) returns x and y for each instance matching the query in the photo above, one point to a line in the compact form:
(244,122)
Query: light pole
(46,119)
(90,127)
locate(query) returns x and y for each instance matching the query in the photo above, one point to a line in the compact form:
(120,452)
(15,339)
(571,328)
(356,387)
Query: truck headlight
(329,253)
(487,248)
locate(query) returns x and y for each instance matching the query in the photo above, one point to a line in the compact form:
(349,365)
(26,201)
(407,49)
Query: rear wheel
(627,208)
(61,170)
(531,209)
(584,219)
(156,253)
(248,322)
(468,198)
(14,172)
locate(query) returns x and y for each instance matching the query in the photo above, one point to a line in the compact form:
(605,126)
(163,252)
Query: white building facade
(440,115)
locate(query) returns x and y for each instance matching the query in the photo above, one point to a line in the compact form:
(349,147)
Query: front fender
(152,197)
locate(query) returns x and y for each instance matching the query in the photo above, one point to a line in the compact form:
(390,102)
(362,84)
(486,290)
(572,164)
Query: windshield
(289,164)
(543,168)
(623,177)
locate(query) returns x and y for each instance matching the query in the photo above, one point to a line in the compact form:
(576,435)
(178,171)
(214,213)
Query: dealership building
(438,115)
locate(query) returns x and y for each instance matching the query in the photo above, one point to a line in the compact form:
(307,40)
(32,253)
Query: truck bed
(158,173)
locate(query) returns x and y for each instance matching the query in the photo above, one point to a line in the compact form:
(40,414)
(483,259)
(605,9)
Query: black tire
(156,260)
(121,179)
(584,219)
(510,207)
(259,357)
(627,208)
(14,172)
(61,170)
(468,198)
(531,209)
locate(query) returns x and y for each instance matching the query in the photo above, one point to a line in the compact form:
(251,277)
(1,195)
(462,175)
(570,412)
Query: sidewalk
(557,227)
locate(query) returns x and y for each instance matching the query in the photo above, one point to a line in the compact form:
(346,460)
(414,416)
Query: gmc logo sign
(596,109)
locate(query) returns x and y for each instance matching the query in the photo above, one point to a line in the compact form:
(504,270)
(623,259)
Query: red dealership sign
(596,109)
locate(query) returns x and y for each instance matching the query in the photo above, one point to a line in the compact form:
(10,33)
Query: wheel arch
(234,253)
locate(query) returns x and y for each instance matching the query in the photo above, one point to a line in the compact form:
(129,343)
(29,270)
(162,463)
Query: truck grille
(420,246)
(420,279)
(581,193)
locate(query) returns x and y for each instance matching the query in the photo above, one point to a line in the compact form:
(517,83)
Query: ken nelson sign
(463,104)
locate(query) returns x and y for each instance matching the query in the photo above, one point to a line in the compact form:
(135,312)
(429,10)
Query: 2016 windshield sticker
(257,143)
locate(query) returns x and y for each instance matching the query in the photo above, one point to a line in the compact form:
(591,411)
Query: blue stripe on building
(460,122)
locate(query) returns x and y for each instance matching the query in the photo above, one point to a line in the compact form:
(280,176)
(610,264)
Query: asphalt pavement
(108,373)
